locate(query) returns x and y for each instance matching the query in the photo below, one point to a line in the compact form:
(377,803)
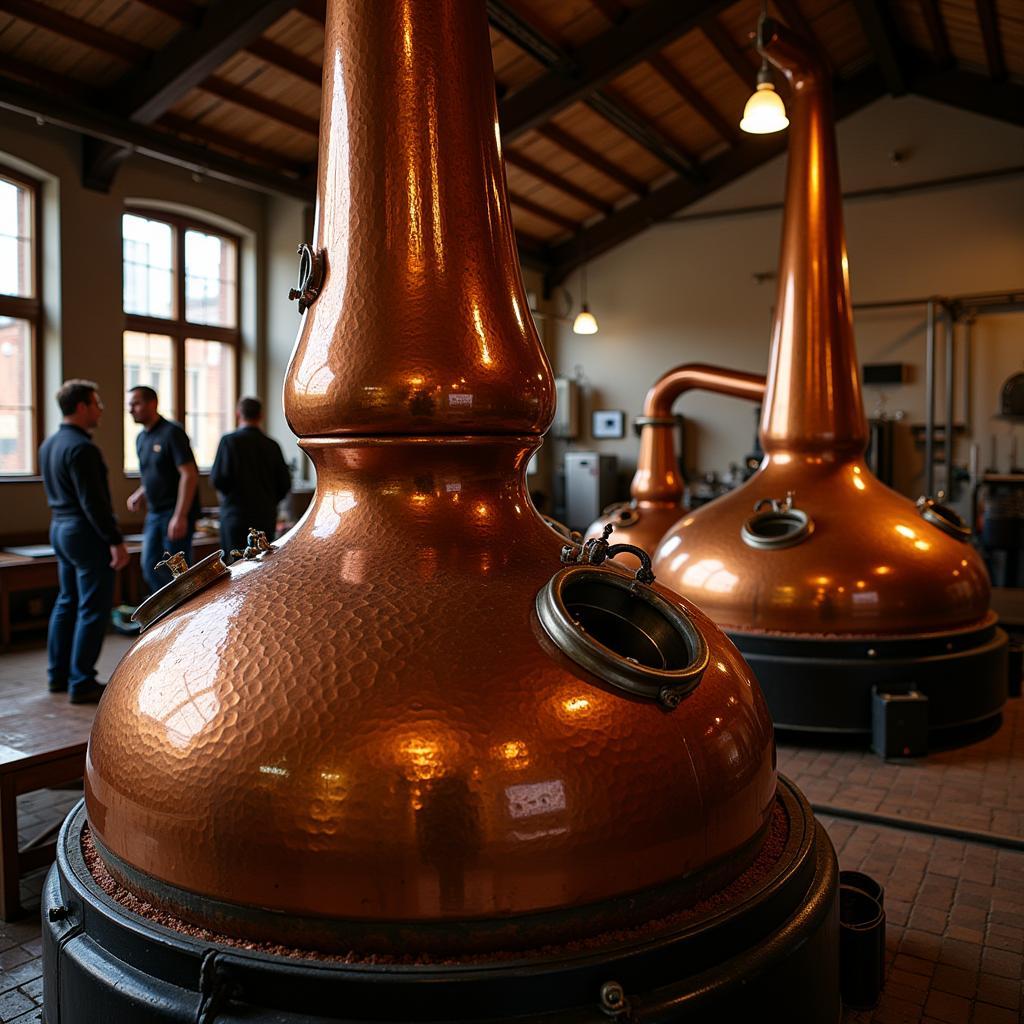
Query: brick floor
(955,910)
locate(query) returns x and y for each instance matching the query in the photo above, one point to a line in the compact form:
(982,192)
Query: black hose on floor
(969,835)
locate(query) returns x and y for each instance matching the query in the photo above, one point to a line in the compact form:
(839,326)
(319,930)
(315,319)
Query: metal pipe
(929,402)
(966,354)
(950,380)
(999,302)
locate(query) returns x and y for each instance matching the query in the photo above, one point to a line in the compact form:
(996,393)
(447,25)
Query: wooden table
(44,741)
(19,574)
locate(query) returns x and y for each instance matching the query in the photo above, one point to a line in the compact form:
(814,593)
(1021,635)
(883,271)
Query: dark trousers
(234,528)
(79,618)
(155,543)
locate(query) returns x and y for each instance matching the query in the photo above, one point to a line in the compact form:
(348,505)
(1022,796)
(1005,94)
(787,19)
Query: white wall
(683,292)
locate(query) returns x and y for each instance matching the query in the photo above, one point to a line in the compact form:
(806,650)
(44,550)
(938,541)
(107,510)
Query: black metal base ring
(774,945)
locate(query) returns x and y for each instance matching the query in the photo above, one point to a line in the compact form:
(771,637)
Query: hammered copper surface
(657,487)
(872,565)
(370,723)
(422,325)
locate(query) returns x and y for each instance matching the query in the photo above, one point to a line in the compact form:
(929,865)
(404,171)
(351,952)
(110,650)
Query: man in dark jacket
(252,477)
(86,539)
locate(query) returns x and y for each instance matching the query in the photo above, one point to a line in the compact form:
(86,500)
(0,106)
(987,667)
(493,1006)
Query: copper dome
(813,543)
(366,733)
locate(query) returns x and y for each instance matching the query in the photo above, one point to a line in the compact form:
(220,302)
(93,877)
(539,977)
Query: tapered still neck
(813,401)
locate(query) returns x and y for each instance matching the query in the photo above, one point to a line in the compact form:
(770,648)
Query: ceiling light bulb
(765,112)
(584,322)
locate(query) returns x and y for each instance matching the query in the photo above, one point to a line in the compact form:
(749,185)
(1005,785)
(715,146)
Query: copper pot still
(375,730)
(657,488)
(813,547)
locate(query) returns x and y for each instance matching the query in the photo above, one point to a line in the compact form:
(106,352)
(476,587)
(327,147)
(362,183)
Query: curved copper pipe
(814,401)
(657,475)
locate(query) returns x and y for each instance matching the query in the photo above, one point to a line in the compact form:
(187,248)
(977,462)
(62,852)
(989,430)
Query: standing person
(251,475)
(86,540)
(170,485)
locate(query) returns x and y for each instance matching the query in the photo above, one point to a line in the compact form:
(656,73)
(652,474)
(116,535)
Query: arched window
(20,323)
(181,324)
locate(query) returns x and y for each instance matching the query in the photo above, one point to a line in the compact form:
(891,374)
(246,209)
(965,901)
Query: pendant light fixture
(764,113)
(585,322)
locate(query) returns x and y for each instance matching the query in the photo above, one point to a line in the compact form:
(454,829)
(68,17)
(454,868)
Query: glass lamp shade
(765,112)
(585,323)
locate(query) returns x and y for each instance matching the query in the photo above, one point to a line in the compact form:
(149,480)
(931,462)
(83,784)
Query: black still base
(825,684)
(772,952)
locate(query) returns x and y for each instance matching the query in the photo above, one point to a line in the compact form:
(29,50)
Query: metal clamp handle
(311,277)
(597,549)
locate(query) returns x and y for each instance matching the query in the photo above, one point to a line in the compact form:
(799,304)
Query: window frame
(30,309)
(178,328)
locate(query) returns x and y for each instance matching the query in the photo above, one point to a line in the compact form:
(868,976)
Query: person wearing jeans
(169,489)
(85,539)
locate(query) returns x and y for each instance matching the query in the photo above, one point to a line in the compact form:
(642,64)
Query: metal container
(813,548)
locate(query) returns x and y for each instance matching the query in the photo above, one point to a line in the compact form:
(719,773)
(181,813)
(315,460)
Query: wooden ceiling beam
(632,123)
(542,173)
(645,31)
(877,23)
(564,140)
(250,100)
(992,40)
(286,60)
(613,11)
(76,29)
(183,11)
(799,23)
(685,89)
(937,32)
(107,126)
(965,90)
(661,203)
(542,211)
(727,49)
(182,126)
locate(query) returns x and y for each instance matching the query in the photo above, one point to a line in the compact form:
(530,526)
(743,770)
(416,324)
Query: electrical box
(566,423)
(886,373)
(899,723)
(591,480)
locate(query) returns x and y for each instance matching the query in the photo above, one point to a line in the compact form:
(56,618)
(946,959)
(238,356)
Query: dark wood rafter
(279,112)
(993,42)
(182,126)
(965,90)
(876,21)
(543,212)
(661,203)
(645,31)
(183,11)
(682,86)
(188,60)
(799,23)
(579,149)
(612,10)
(726,48)
(937,32)
(632,123)
(83,32)
(565,66)
(51,81)
(314,9)
(98,123)
(542,173)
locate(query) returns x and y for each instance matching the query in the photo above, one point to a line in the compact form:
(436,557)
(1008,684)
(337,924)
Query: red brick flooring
(955,909)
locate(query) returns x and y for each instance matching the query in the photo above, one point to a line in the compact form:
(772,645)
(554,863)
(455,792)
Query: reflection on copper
(814,434)
(657,487)
(389,734)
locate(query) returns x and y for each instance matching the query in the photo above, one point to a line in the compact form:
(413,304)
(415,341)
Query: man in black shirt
(170,486)
(252,477)
(86,540)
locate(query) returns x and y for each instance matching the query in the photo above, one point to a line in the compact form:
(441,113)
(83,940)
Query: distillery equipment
(657,488)
(830,583)
(419,759)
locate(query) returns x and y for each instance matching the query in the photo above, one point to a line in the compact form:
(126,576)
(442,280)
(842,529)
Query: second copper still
(829,582)
(657,488)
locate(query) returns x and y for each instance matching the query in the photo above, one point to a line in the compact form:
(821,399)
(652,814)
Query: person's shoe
(87,693)
(58,687)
